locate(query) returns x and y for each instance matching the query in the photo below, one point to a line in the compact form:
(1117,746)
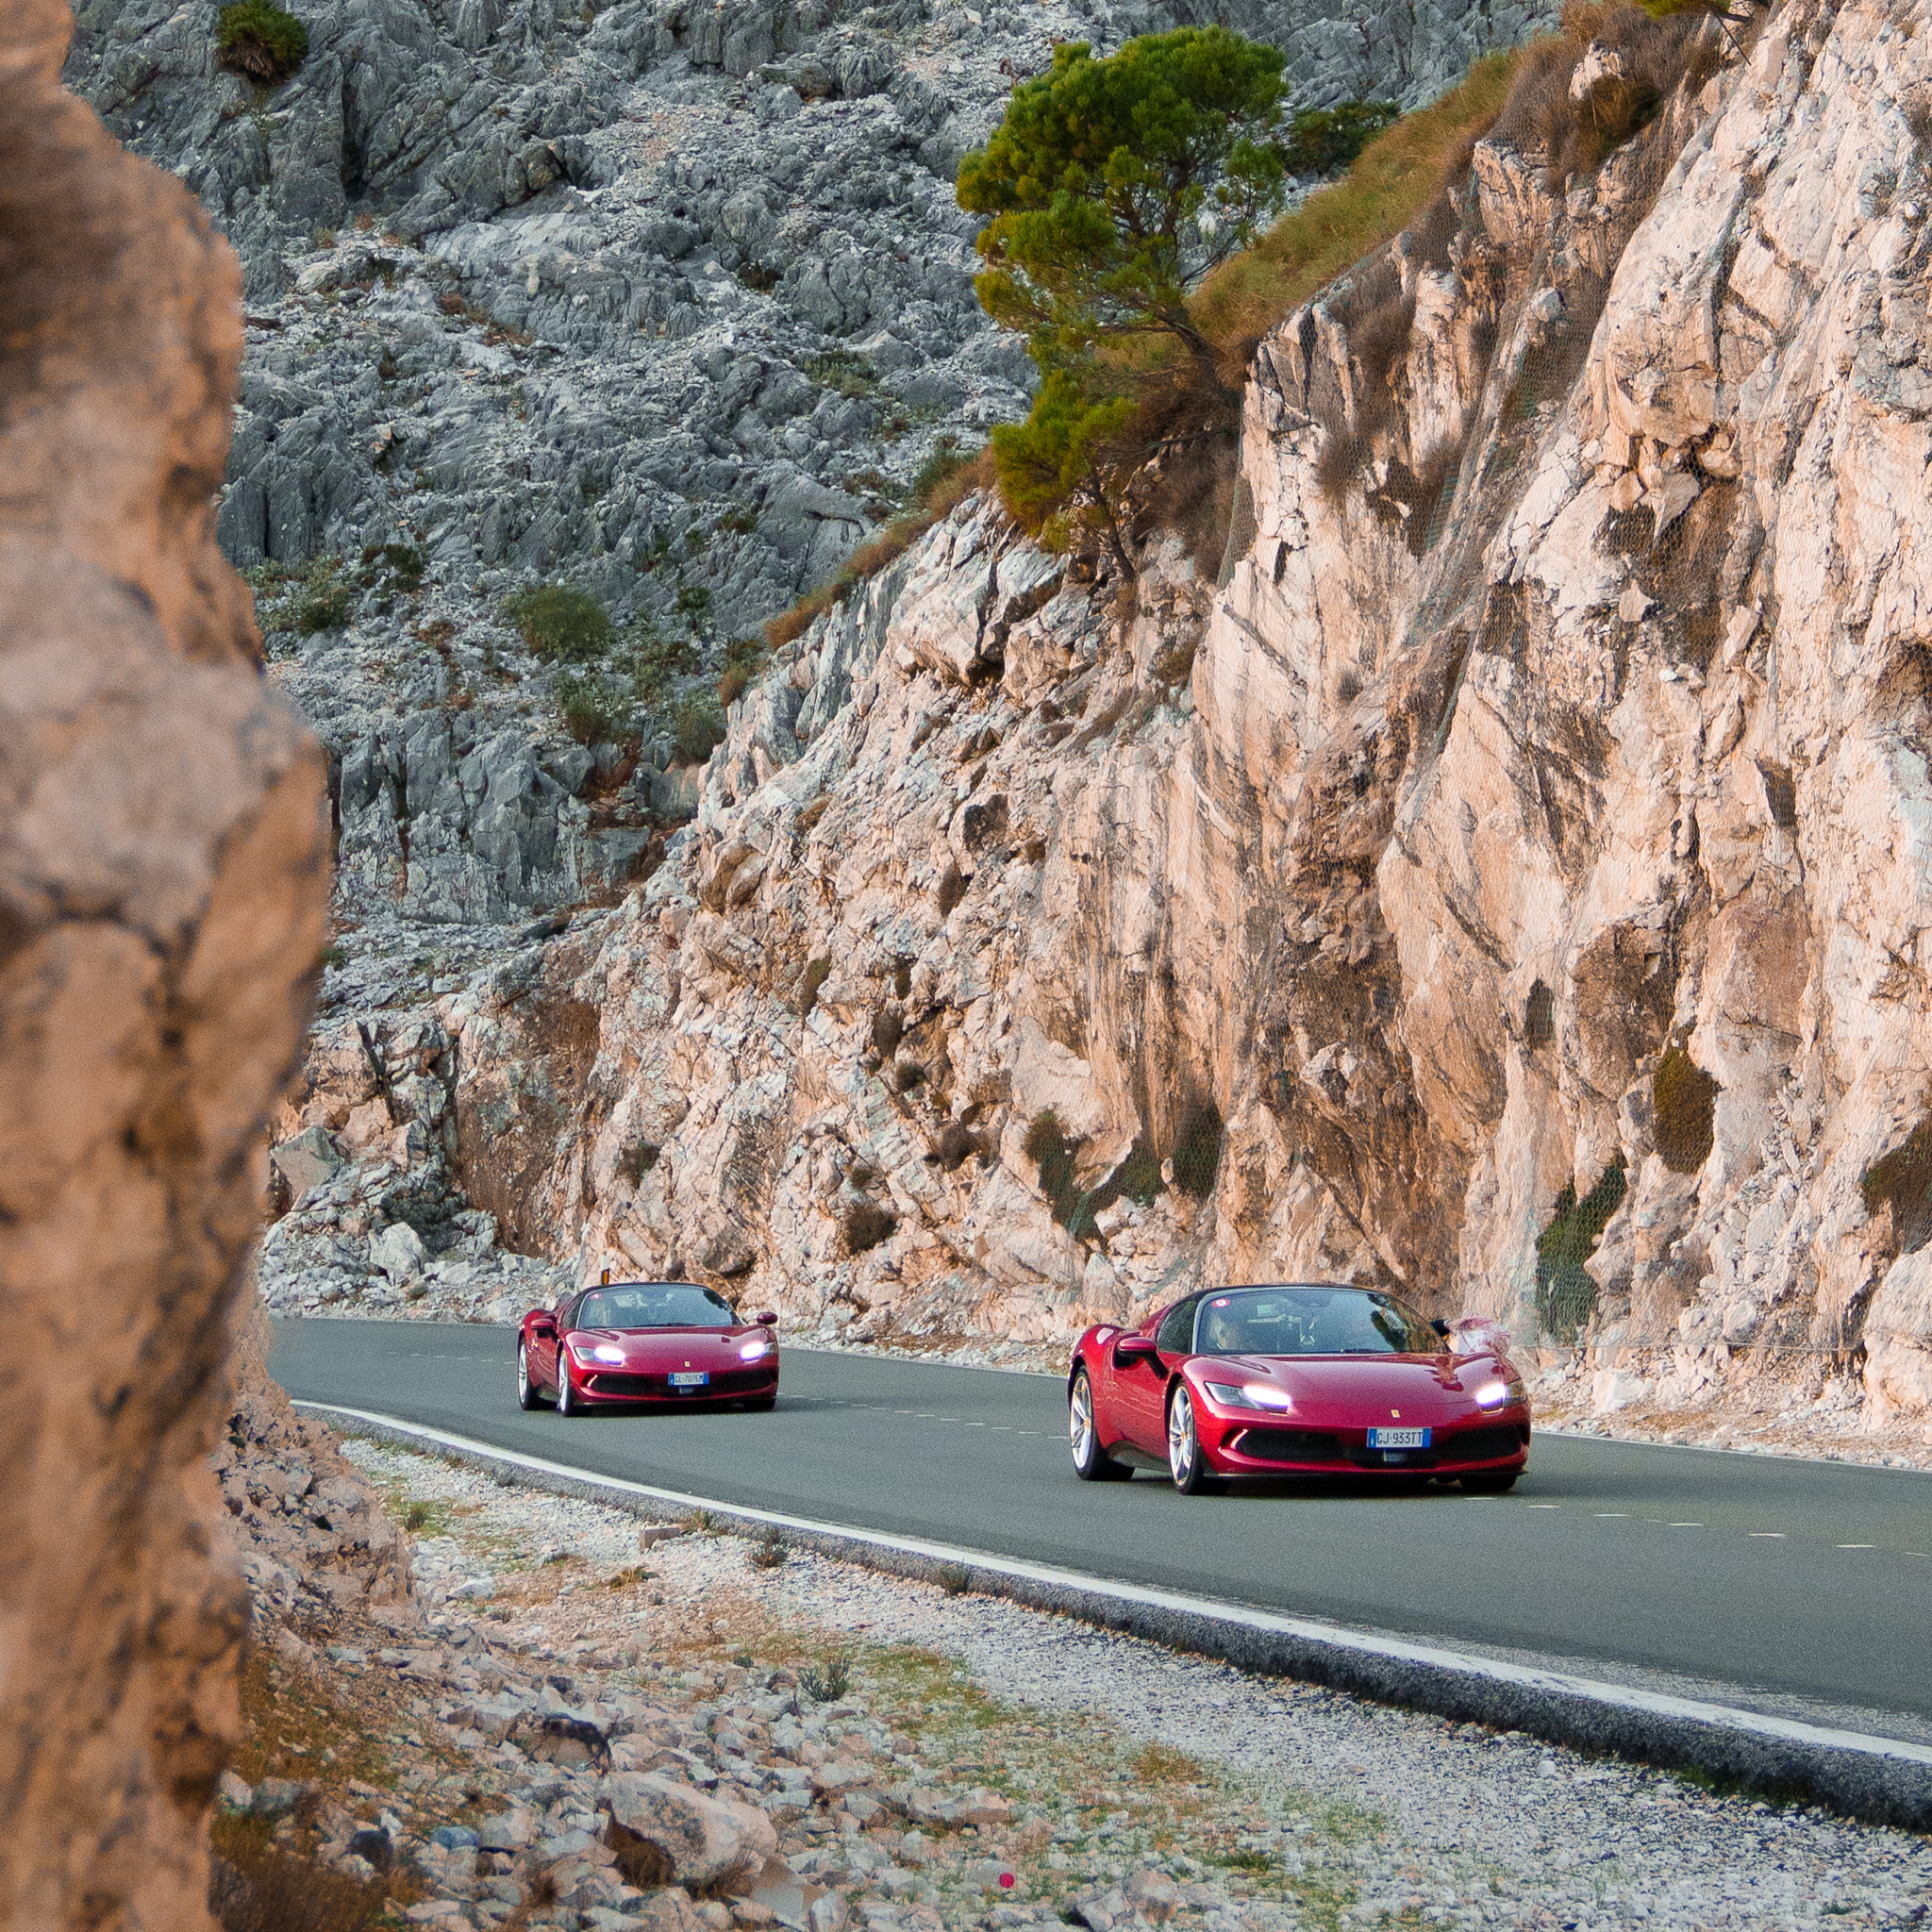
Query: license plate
(690,1378)
(1398,1438)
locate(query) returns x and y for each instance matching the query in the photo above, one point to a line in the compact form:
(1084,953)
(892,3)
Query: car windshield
(1310,1321)
(655,1305)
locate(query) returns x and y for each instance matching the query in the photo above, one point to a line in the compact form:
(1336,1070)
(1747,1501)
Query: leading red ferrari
(1304,1378)
(646,1341)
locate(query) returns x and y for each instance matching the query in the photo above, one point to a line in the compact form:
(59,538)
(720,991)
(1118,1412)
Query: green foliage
(596,709)
(1902,1180)
(939,469)
(693,601)
(826,1683)
(1684,1100)
(1138,1176)
(1321,140)
(1053,468)
(394,567)
(1565,1294)
(559,623)
(1197,1149)
(697,726)
(743,656)
(254,38)
(844,374)
(1114,186)
(323,601)
(656,661)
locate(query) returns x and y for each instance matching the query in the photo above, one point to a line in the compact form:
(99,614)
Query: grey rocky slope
(667,301)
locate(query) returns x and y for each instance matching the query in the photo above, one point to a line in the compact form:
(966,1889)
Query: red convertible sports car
(646,1341)
(1298,1379)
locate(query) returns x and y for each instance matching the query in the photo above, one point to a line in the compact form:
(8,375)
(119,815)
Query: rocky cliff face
(162,893)
(1504,884)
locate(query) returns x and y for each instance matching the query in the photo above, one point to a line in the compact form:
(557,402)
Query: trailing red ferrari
(646,1341)
(1297,1379)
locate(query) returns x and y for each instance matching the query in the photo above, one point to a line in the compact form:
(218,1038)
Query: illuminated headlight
(603,1352)
(756,1350)
(1249,1395)
(1492,1394)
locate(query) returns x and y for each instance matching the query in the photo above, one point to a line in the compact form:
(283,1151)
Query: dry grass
(890,544)
(1393,180)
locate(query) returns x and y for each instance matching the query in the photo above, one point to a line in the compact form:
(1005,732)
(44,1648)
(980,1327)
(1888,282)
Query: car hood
(1342,1390)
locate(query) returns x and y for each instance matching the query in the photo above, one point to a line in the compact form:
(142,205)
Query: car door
(1139,1382)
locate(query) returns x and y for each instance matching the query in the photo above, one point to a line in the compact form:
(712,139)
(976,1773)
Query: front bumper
(1257,1446)
(623,1385)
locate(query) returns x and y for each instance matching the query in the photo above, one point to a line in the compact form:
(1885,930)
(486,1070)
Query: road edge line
(1880,1781)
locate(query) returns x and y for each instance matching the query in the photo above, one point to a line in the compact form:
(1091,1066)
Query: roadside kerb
(1882,1780)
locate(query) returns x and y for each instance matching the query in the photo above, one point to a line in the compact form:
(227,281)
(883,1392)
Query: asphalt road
(1794,1581)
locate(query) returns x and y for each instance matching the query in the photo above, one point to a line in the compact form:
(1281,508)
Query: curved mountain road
(1798,1588)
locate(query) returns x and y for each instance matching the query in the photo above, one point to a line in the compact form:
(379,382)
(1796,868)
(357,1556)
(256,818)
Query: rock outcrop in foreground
(1505,882)
(162,887)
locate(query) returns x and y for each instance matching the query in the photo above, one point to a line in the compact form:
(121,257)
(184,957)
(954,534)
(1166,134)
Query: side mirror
(766,1319)
(1135,1348)
(544,1326)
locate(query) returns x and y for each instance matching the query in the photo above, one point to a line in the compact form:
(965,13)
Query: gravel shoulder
(958,1742)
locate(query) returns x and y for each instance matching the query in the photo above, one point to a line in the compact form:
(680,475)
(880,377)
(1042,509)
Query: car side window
(1175,1335)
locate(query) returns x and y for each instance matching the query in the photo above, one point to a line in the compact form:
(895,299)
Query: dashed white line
(1857,1546)
(1778,1534)
(1682,1525)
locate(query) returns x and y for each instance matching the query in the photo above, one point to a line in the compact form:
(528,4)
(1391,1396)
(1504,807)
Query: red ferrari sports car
(646,1341)
(1302,1378)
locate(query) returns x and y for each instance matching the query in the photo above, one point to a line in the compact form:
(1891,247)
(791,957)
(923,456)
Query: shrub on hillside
(697,727)
(563,625)
(256,40)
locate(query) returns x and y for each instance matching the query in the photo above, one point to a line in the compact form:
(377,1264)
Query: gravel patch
(1317,1808)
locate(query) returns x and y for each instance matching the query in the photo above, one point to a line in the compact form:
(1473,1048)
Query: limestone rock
(162,880)
(705,1841)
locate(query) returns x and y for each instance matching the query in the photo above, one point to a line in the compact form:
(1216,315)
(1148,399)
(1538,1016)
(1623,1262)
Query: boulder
(704,1841)
(308,1160)
(398,1251)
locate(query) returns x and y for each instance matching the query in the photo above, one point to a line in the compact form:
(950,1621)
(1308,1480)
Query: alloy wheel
(1080,1422)
(1183,1447)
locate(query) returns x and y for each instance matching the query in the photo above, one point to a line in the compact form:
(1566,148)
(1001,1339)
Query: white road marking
(1682,1525)
(1613,1515)
(1777,1534)
(1857,1546)
(1546,1505)
(1340,1637)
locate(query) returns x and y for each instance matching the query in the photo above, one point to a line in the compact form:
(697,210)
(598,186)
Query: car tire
(1092,1463)
(568,1401)
(526,1389)
(1185,1462)
(1490,1482)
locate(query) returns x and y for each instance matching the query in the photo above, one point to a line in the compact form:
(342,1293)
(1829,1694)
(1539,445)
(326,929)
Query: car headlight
(1493,1394)
(1249,1395)
(756,1350)
(603,1352)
